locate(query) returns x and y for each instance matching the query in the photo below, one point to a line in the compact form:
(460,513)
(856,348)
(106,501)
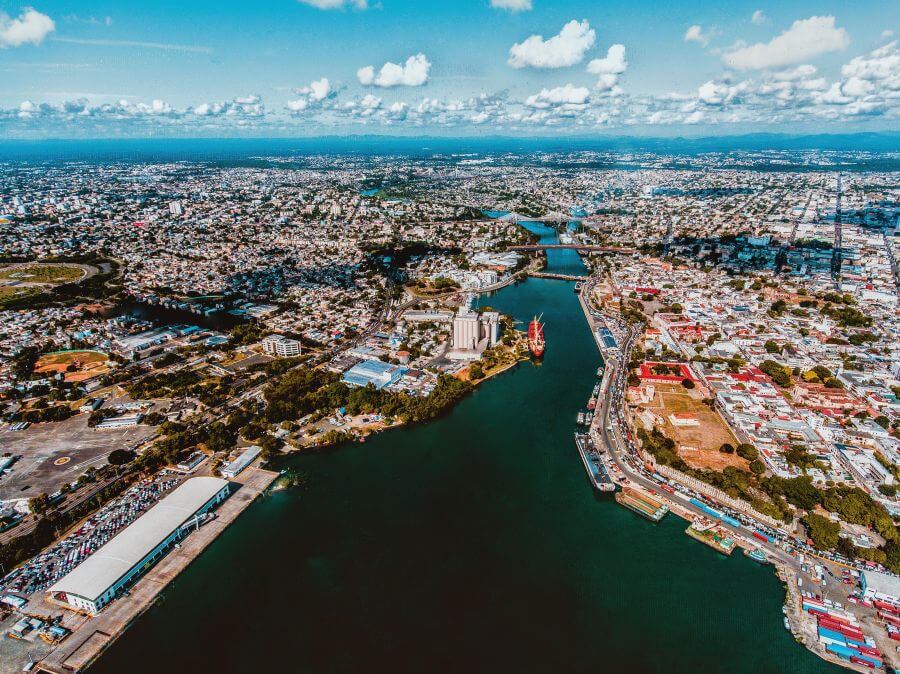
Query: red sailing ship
(536,337)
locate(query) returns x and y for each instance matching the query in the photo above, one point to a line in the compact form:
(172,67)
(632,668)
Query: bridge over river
(582,247)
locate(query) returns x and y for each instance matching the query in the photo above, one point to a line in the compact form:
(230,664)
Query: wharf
(715,537)
(642,503)
(91,635)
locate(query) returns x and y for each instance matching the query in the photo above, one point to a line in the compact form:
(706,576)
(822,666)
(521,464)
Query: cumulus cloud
(805,39)
(512,5)
(336,4)
(565,49)
(311,96)
(243,106)
(759,18)
(695,34)
(413,73)
(567,96)
(609,68)
(31,27)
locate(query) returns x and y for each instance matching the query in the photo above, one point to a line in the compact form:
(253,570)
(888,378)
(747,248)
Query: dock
(642,503)
(712,535)
(596,471)
(92,635)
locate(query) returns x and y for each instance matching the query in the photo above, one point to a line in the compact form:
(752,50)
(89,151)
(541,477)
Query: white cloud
(695,34)
(31,27)
(512,5)
(565,49)
(805,39)
(566,96)
(609,68)
(311,96)
(887,34)
(242,106)
(336,4)
(414,73)
(759,18)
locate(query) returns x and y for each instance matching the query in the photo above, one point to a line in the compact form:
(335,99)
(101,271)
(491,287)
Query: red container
(890,618)
(884,606)
(860,661)
(851,632)
(868,650)
(760,536)
(894,635)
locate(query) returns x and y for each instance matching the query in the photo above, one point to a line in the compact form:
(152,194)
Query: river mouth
(473,543)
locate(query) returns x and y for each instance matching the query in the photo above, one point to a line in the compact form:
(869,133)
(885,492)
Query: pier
(92,635)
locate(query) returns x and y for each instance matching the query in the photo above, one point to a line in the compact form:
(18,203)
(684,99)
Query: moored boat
(536,342)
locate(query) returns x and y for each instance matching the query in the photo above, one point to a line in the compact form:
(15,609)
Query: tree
(119,457)
(822,531)
(772,346)
(687,383)
(757,467)
(39,504)
(747,451)
(476,371)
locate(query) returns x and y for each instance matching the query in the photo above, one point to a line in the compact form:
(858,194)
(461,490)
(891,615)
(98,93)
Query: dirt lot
(88,364)
(698,445)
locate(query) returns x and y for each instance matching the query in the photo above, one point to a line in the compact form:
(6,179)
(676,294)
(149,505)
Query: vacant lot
(78,365)
(698,445)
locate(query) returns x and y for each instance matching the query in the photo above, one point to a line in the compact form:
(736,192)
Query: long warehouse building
(98,579)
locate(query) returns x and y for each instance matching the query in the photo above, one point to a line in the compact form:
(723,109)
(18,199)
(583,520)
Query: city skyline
(510,67)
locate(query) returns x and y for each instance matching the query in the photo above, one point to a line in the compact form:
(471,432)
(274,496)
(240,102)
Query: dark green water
(470,544)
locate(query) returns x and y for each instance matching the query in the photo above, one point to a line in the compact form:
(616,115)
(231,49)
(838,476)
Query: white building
(876,585)
(281,346)
(473,333)
(102,576)
(245,459)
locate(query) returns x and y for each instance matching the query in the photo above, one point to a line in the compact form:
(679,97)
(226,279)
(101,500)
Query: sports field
(43,273)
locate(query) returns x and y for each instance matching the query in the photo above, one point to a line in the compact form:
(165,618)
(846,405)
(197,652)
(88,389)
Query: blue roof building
(374,372)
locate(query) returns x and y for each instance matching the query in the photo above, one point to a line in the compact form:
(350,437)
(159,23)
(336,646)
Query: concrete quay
(92,635)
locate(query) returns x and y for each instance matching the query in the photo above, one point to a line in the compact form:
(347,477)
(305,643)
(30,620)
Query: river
(474,543)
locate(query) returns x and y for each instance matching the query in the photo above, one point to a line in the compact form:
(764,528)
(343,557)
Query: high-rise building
(175,208)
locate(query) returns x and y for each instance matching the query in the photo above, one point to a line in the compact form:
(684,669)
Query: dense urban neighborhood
(171,330)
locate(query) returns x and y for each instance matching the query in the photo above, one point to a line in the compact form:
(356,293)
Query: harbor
(416,513)
(85,637)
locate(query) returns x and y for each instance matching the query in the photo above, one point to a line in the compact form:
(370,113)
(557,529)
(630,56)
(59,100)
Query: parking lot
(55,562)
(52,454)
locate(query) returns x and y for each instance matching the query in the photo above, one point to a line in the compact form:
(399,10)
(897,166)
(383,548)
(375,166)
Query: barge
(642,503)
(593,465)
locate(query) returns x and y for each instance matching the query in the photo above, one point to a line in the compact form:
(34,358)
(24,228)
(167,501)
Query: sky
(105,68)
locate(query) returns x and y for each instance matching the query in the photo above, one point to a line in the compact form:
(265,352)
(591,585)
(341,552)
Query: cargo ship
(592,464)
(536,337)
(642,503)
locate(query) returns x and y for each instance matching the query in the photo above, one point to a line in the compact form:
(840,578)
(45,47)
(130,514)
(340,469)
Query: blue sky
(526,67)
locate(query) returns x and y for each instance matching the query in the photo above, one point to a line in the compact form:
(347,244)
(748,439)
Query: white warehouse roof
(97,573)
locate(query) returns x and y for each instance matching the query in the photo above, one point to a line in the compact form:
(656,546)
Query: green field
(43,273)
(11,293)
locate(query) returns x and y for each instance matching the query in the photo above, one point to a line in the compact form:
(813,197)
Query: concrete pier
(94,634)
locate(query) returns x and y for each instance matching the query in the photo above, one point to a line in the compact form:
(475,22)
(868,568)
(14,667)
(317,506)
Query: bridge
(549,217)
(554,275)
(583,247)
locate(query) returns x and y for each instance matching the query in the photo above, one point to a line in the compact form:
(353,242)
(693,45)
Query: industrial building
(473,333)
(281,346)
(374,372)
(876,585)
(102,576)
(234,468)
